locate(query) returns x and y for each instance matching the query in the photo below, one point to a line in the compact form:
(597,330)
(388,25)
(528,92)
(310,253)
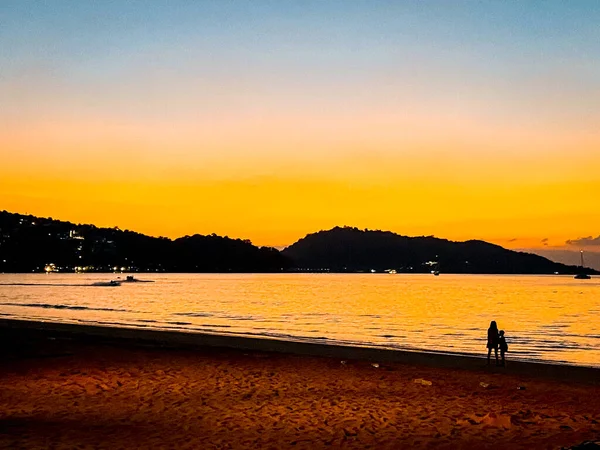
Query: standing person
(492,341)
(503,345)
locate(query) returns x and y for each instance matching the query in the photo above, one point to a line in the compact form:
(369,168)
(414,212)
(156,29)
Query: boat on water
(132,279)
(111,283)
(436,271)
(582,275)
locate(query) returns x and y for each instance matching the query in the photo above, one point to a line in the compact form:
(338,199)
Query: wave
(222,316)
(193,314)
(73,307)
(391,336)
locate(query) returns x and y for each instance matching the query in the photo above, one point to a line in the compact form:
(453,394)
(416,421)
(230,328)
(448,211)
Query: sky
(267,120)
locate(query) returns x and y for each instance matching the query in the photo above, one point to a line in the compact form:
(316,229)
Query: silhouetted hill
(29,243)
(350,249)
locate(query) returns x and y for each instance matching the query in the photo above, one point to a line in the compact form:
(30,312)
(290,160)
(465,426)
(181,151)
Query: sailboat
(582,275)
(436,271)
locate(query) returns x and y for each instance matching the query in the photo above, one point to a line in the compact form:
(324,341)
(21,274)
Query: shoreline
(100,334)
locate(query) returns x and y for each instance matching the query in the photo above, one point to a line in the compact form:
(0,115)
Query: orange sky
(274,129)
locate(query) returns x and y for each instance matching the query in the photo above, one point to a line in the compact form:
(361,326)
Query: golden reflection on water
(545,317)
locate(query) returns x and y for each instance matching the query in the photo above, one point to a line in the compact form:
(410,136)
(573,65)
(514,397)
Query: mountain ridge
(352,249)
(31,244)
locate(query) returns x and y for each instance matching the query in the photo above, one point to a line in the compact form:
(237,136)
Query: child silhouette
(503,345)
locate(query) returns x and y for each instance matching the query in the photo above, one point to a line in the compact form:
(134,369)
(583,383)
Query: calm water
(548,318)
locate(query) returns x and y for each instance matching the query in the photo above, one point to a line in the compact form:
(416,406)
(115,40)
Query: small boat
(132,279)
(582,275)
(436,271)
(111,283)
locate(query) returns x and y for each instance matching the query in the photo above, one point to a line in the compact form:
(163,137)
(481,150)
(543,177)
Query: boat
(132,279)
(582,275)
(436,271)
(111,283)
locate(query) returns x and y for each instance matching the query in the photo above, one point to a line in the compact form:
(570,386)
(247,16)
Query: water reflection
(549,318)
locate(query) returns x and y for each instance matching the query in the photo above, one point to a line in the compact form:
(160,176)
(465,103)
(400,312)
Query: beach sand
(63,391)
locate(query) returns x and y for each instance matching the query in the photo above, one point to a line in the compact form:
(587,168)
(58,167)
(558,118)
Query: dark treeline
(29,243)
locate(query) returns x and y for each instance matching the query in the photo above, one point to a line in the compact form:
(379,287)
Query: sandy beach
(63,388)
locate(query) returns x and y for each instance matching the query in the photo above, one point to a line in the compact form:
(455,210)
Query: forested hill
(33,244)
(350,249)
(29,243)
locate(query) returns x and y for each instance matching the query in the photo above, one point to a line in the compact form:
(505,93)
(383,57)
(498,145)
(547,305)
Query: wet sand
(73,388)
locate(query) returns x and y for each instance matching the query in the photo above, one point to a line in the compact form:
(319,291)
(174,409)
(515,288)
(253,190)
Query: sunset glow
(270,120)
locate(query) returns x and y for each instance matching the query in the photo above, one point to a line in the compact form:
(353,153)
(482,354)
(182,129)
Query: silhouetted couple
(495,341)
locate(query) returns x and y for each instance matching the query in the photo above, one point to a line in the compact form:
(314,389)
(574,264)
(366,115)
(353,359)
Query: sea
(545,318)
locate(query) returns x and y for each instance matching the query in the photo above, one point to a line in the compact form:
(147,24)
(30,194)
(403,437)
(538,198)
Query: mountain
(29,244)
(350,249)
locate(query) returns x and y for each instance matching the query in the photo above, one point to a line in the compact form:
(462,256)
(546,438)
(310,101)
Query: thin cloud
(587,241)
(545,241)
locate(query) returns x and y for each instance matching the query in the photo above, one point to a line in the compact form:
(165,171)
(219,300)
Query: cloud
(585,241)
(545,241)
(512,240)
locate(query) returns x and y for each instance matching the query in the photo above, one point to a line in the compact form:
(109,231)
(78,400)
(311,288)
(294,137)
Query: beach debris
(521,388)
(375,365)
(484,385)
(343,363)
(422,381)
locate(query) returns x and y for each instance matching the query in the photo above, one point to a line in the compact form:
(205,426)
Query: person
(503,345)
(492,341)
